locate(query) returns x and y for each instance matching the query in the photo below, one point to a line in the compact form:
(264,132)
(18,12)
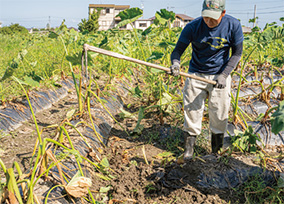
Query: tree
(92,24)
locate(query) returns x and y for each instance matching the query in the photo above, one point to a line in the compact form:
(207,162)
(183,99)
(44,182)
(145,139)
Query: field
(115,135)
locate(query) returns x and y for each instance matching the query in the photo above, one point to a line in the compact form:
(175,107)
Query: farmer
(212,36)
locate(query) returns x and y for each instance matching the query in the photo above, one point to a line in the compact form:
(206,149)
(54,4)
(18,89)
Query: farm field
(117,132)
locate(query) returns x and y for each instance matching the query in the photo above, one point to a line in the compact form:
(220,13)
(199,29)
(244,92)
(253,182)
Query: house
(181,20)
(0,24)
(246,29)
(142,24)
(107,19)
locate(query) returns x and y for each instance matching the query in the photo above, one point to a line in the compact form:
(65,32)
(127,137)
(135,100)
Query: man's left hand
(221,81)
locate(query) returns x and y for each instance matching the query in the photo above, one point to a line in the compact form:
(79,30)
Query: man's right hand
(175,69)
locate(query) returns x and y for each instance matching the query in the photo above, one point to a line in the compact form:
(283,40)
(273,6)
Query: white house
(107,19)
(0,24)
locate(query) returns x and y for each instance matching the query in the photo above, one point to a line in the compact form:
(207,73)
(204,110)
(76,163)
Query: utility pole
(142,7)
(48,24)
(254,17)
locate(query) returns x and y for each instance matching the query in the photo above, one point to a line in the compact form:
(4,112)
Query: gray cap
(213,8)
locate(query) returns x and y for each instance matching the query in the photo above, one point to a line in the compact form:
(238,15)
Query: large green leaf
(163,16)
(52,34)
(278,119)
(129,15)
(147,31)
(14,65)
(272,33)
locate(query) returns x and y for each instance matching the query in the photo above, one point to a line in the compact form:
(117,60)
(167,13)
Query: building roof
(101,5)
(184,17)
(109,6)
(121,7)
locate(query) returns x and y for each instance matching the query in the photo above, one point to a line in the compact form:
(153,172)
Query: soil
(144,167)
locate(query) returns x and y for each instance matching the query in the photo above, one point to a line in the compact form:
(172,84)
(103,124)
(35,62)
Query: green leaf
(155,55)
(138,129)
(75,59)
(52,34)
(156,71)
(125,114)
(106,178)
(70,113)
(147,31)
(105,189)
(103,42)
(30,82)
(280,182)
(141,114)
(138,92)
(129,16)
(165,154)
(278,119)
(163,16)
(105,162)
(272,33)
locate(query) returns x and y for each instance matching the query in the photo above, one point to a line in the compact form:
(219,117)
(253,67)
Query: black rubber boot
(189,141)
(217,142)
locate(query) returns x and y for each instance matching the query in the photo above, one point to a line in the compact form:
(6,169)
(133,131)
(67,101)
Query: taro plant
(277,119)
(68,37)
(259,42)
(128,16)
(246,141)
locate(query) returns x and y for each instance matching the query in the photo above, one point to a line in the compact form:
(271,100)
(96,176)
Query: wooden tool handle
(120,56)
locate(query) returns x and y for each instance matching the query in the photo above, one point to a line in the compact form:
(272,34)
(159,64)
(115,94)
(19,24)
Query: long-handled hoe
(120,56)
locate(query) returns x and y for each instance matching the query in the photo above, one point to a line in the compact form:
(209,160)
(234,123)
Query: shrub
(91,25)
(14,28)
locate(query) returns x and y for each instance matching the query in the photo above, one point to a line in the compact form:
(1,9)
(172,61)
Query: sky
(38,13)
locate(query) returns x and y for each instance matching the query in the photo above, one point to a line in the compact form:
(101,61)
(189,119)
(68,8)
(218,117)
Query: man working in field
(212,36)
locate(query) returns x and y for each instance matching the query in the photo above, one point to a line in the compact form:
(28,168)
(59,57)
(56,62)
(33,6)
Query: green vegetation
(37,60)
(91,25)
(14,29)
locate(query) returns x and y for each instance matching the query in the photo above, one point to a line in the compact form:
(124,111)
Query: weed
(255,190)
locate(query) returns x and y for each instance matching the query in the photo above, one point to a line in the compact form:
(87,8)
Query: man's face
(211,22)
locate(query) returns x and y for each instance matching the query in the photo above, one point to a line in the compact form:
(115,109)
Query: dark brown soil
(140,169)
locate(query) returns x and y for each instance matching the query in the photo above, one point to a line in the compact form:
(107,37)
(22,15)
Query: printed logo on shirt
(215,42)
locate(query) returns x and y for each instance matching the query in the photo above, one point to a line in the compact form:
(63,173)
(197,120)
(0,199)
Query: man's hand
(175,69)
(221,81)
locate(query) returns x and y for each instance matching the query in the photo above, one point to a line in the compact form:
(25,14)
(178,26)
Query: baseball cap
(213,8)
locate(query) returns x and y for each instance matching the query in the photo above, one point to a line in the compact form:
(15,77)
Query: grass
(254,190)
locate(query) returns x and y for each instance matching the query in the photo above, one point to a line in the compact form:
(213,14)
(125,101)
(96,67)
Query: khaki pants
(195,93)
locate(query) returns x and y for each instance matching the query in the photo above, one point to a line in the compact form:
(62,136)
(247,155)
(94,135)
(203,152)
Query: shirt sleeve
(237,51)
(183,42)
(178,51)
(237,34)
